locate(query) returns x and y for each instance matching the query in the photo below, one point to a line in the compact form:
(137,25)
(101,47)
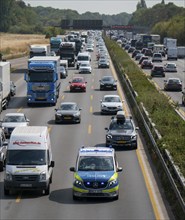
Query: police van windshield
(95,163)
(26,157)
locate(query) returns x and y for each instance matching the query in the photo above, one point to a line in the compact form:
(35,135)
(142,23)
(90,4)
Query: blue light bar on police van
(92,150)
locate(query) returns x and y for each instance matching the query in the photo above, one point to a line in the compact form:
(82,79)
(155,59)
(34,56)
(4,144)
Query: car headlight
(103,106)
(101,83)
(58,114)
(76,114)
(78,183)
(109,136)
(8,176)
(43,176)
(133,137)
(113,182)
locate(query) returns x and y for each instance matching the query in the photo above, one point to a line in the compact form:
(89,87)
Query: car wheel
(6,192)
(47,191)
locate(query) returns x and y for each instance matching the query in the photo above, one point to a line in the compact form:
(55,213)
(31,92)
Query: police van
(96,173)
(29,164)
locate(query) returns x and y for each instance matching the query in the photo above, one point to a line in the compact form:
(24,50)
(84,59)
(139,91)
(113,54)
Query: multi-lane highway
(140,193)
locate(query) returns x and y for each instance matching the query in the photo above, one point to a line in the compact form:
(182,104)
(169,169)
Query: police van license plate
(95,191)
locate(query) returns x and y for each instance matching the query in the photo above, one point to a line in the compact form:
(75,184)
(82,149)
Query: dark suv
(157,70)
(121,132)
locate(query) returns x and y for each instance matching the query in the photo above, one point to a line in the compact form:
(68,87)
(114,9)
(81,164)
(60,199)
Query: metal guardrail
(150,133)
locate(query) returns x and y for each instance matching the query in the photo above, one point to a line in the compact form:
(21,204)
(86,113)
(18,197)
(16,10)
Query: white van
(83,57)
(29,164)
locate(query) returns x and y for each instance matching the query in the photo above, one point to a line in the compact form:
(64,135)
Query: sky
(108,7)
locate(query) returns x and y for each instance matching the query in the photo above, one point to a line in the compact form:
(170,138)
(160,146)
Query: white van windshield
(26,157)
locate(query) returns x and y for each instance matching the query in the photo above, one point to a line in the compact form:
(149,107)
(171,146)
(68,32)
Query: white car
(12,120)
(170,67)
(85,67)
(111,104)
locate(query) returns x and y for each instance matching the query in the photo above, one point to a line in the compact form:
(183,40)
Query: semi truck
(42,79)
(39,50)
(55,44)
(5,93)
(67,52)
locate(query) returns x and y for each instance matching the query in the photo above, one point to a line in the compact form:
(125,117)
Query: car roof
(111,96)
(96,151)
(15,114)
(67,103)
(174,79)
(78,77)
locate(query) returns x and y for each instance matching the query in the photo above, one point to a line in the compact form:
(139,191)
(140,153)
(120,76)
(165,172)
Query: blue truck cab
(42,79)
(55,44)
(96,173)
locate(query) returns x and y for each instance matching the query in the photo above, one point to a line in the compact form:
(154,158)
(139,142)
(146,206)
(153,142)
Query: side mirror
(106,129)
(26,77)
(52,163)
(119,169)
(72,169)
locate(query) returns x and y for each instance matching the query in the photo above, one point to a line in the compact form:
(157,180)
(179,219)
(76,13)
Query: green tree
(5,14)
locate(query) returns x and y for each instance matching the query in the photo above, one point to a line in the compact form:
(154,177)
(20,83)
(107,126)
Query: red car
(78,84)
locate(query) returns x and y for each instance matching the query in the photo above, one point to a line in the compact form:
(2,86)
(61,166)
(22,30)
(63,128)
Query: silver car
(12,120)
(111,104)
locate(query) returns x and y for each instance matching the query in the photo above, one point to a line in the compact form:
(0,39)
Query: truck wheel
(47,191)
(6,192)
(1,166)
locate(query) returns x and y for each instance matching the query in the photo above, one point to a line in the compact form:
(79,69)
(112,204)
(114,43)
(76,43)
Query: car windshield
(77,80)
(84,64)
(111,99)
(14,118)
(127,125)
(171,65)
(109,79)
(26,157)
(173,81)
(68,107)
(95,163)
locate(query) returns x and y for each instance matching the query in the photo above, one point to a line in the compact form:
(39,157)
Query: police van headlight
(78,183)
(113,182)
(43,176)
(8,176)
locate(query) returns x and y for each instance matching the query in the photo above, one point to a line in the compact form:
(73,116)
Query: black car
(157,70)
(68,112)
(121,132)
(108,82)
(135,52)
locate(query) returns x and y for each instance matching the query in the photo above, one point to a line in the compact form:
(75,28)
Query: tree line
(168,20)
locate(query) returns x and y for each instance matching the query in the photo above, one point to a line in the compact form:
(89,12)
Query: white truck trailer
(4,84)
(181,52)
(40,50)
